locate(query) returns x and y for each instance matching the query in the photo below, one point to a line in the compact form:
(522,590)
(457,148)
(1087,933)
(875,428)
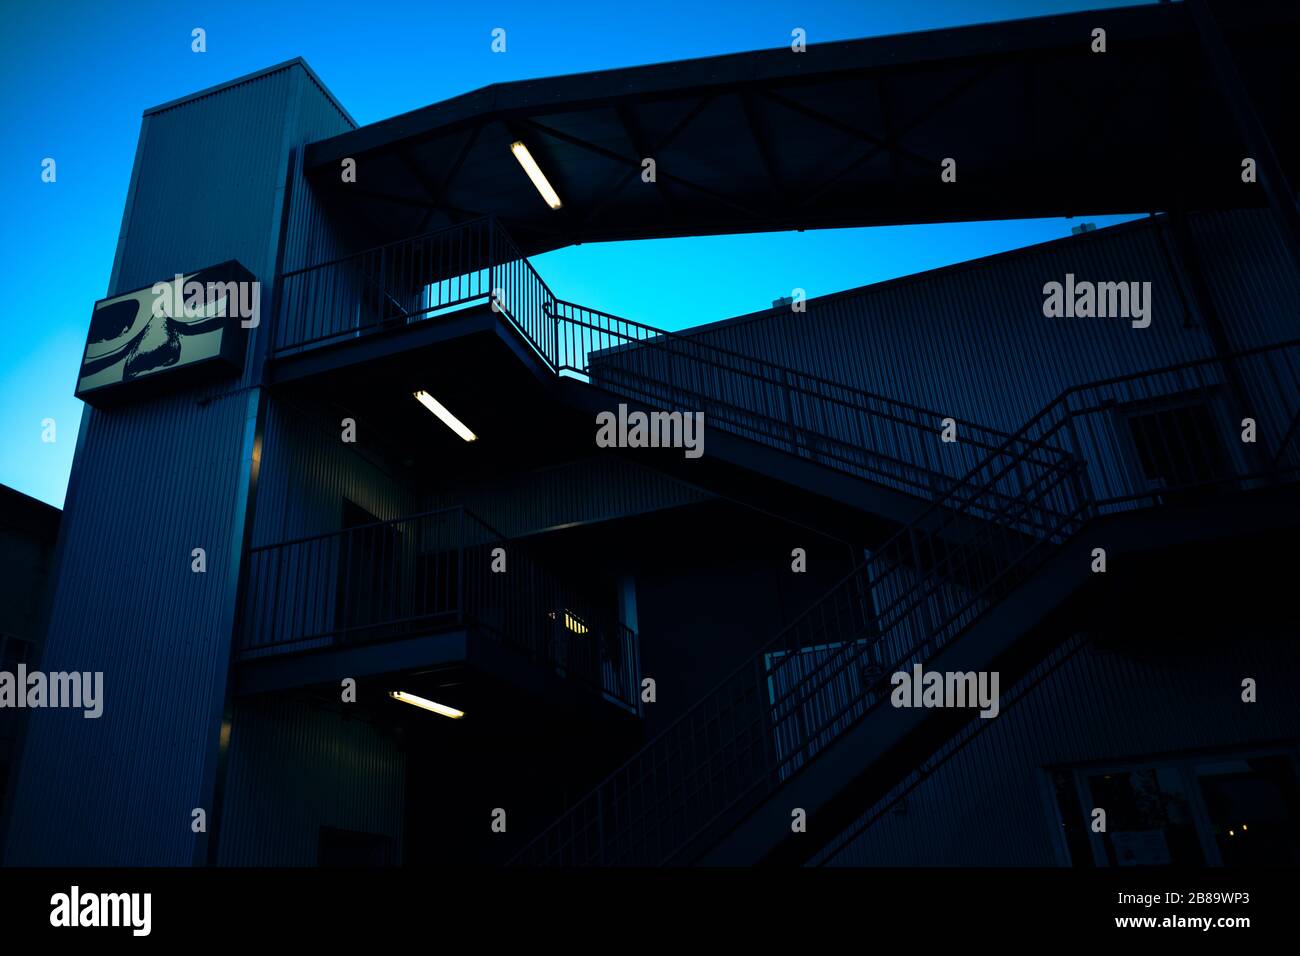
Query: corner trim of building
(257,75)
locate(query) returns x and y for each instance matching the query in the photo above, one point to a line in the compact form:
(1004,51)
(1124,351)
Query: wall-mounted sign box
(183,330)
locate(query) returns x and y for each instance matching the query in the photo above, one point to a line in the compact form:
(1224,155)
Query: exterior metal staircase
(806,714)
(851,431)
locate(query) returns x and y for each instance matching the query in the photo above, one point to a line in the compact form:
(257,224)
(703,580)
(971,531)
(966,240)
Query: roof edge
(255,75)
(658,79)
(1142,222)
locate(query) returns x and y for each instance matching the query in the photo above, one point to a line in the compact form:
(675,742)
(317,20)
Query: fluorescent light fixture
(535,174)
(446,417)
(424,704)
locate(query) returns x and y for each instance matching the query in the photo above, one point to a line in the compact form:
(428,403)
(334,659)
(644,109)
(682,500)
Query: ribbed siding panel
(207,179)
(295,767)
(311,236)
(211,188)
(597,489)
(207,188)
(1253,280)
(986,805)
(307,470)
(153,480)
(971,340)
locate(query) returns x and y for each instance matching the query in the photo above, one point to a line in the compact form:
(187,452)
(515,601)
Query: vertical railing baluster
(462,570)
(491,258)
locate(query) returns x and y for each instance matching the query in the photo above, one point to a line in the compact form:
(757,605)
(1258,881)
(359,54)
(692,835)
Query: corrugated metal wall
(151,481)
(186,212)
(307,470)
(155,481)
(311,234)
(971,340)
(1253,281)
(986,805)
(297,766)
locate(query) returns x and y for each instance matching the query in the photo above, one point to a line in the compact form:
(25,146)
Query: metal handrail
(383,590)
(842,462)
(951,748)
(783,383)
(368,291)
(658,335)
(855,642)
(755,666)
(484,264)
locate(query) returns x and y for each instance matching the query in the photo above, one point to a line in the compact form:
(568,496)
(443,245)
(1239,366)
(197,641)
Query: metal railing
(882,811)
(420,574)
(866,435)
(386,287)
(1175,434)
(828,670)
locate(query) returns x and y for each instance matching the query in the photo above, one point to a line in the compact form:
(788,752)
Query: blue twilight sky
(76,76)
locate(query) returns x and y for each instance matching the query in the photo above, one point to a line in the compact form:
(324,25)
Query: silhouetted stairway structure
(980,519)
(871,453)
(803,722)
(876,442)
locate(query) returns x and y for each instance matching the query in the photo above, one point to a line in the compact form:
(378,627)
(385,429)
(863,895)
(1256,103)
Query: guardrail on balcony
(385,287)
(420,574)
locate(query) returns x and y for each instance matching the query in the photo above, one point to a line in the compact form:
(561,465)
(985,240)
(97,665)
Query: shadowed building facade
(389,488)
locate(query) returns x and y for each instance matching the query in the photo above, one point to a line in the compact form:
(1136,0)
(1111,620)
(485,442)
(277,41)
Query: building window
(1178,446)
(1217,811)
(1148,817)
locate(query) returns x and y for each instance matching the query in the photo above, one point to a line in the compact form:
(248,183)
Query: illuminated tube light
(535,174)
(446,417)
(420,702)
